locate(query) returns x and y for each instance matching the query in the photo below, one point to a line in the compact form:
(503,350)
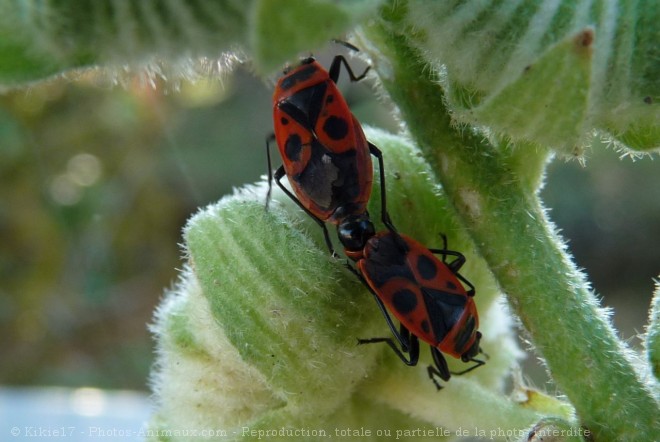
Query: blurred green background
(98,181)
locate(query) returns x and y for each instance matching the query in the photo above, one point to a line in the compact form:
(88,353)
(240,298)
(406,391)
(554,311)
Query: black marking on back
(426,267)
(293,147)
(330,179)
(387,261)
(284,121)
(444,308)
(305,106)
(404,301)
(335,127)
(301,75)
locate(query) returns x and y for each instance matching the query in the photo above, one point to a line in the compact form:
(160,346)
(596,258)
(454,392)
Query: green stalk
(653,334)
(509,226)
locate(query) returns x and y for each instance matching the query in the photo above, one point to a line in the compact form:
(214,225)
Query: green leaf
(282,28)
(512,65)
(52,36)
(548,102)
(640,136)
(19,64)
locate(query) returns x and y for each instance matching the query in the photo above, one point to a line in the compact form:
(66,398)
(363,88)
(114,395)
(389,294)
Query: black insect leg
(412,347)
(279,173)
(345,44)
(385,216)
(472,290)
(456,264)
(404,339)
(269,138)
(441,369)
(477,363)
(335,67)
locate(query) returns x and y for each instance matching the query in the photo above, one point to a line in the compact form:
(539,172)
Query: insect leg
(477,363)
(412,348)
(441,369)
(269,138)
(402,339)
(456,264)
(279,173)
(335,67)
(385,216)
(472,290)
(345,44)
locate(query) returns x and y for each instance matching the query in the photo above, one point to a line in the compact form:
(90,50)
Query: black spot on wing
(293,147)
(444,308)
(335,127)
(426,267)
(404,301)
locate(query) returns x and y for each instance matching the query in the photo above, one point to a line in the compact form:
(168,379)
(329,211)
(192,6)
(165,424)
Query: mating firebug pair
(327,160)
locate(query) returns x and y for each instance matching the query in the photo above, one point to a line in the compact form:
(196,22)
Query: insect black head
(304,61)
(354,231)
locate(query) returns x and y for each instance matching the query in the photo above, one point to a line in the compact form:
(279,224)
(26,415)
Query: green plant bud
(261,331)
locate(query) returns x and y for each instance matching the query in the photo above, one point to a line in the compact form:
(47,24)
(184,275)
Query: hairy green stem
(509,227)
(653,334)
